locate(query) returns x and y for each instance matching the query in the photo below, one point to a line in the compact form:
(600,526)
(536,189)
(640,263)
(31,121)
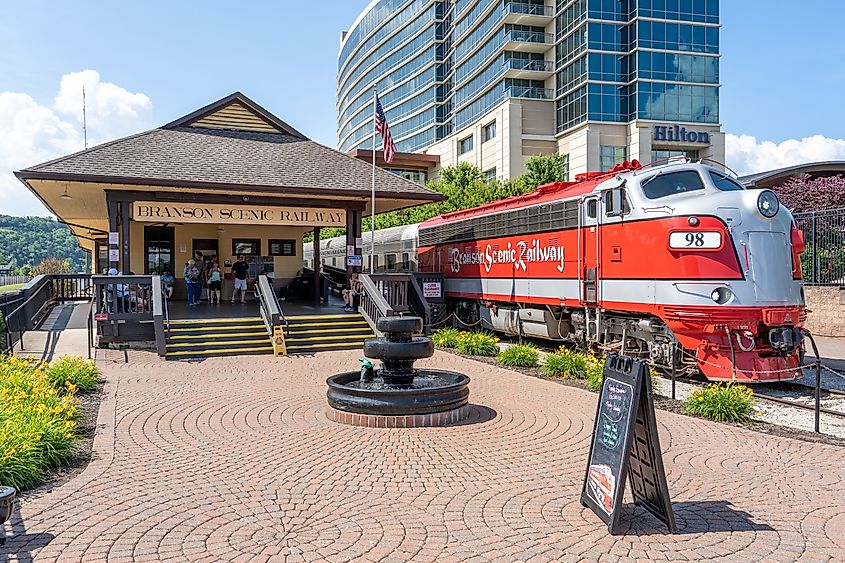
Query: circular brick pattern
(237,459)
(407,421)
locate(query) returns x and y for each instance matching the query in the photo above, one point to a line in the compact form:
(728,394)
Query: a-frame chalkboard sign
(625,445)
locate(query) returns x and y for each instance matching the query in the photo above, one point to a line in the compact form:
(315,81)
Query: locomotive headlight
(721,295)
(768,204)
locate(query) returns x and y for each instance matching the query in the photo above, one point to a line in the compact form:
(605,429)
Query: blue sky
(782,68)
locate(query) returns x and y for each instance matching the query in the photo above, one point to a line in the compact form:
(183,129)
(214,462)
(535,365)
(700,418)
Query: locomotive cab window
(616,202)
(673,183)
(592,205)
(724,183)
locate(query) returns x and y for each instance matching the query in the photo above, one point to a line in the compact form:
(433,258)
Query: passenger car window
(724,183)
(673,183)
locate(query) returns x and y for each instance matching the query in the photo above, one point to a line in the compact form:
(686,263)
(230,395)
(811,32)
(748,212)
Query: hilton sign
(678,134)
(154,212)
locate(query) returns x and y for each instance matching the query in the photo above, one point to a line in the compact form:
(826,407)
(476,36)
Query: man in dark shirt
(240,269)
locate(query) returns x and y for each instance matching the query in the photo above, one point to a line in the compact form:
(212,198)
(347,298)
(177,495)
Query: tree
(545,169)
(812,194)
(26,241)
(52,265)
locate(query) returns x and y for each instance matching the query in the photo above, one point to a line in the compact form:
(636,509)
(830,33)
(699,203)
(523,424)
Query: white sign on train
(695,240)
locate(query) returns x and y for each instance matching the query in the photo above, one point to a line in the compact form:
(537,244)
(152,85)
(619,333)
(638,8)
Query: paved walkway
(234,460)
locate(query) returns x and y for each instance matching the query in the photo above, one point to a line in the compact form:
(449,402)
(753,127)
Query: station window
(246,247)
(490,175)
(465,145)
(488,132)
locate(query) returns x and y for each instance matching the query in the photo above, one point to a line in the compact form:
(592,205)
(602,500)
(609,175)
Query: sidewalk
(63,332)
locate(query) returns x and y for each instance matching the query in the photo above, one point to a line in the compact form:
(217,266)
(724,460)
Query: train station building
(228,179)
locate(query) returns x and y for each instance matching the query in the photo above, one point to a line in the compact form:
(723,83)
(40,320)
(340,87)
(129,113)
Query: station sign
(679,134)
(156,212)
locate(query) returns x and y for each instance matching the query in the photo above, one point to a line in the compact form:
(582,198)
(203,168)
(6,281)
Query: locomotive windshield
(672,183)
(724,183)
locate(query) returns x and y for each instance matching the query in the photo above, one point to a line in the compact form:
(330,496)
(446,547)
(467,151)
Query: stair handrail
(272,314)
(374,304)
(418,304)
(158,315)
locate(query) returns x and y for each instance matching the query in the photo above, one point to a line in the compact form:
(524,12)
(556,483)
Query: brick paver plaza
(234,460)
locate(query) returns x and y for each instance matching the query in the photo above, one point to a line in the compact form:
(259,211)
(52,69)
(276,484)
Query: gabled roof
(231,144)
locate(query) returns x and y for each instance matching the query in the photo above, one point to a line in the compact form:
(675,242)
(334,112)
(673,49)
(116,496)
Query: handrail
(374,305)
(272,315)
(91,323)
(422,308)
(158,315)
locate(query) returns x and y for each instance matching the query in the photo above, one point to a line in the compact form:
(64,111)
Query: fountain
(398,395)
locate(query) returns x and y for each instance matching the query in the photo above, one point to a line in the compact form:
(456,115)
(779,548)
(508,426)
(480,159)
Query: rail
(386,295)
(35,299)
(271,314)
(823,261)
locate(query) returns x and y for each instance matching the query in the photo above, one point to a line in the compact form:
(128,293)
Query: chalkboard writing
(625,436)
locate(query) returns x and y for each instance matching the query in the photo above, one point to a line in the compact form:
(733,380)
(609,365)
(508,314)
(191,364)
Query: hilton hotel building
(493,82)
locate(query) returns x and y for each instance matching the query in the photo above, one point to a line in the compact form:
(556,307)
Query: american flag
(382,129)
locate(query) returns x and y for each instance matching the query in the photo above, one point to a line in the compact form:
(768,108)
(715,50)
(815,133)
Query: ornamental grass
(721,402)
(38,415)
(519,355)
(477,344)
(446,337)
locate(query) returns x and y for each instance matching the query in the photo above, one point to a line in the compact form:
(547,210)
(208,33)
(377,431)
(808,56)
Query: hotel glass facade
(592,79)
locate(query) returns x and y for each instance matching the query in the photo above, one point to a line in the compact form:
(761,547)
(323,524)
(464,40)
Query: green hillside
(25,241)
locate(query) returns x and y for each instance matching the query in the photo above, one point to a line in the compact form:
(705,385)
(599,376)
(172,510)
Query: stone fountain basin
(418,348)
(432,391)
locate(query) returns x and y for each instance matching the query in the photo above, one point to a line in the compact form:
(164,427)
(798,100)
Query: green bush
(722,403)
(477,344)
(519,355)
(564,363)
(37,422)
(446,337)
(73,370)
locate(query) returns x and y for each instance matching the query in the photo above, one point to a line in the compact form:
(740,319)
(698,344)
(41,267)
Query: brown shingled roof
(192,156)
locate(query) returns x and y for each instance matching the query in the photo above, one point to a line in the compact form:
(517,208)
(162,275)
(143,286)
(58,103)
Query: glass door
(158,247)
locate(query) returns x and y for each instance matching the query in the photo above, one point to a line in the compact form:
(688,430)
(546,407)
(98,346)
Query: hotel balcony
(522,13)
(528,41)
(529,70)
(529,92)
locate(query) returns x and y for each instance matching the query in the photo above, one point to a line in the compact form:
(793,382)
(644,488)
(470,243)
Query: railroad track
(797,404)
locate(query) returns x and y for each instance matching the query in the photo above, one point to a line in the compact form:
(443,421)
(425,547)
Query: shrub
(519,355)
(37,422)
(73,370)
(722,403)
(565,363)
(477,344)
(446,337)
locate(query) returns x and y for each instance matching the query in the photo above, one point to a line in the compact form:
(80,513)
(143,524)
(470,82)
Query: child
(214,281)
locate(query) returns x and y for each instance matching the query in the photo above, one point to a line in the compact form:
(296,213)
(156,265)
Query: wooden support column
(114,218)
(318,280)
(124,236)
(351,217)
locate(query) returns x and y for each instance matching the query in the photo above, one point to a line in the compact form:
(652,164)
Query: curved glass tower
(496,81)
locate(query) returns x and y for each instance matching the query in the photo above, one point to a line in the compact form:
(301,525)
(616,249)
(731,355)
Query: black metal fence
(823,261)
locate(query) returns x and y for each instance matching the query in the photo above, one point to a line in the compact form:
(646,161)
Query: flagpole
(373,194)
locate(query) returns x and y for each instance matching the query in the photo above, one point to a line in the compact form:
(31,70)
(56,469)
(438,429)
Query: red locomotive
(651,261)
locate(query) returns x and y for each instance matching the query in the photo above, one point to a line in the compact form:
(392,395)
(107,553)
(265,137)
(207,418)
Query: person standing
(193,282)
(240,270)
(214,281)
(199,263)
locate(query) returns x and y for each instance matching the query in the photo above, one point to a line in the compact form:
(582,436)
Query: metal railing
(529,92)
(529,37)
(529,65)
(529,9)
(25,310)
(823,261)
(271,313)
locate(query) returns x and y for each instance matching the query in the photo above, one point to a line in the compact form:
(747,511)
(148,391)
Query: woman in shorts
(214,282)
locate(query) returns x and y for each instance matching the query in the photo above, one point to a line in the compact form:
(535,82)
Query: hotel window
(465,145)
(611,156)
(490,175)
(488,132)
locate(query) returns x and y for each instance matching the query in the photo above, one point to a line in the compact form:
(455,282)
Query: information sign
(432,290)
(354,260)
(114,238)
(625,445)
(114,255)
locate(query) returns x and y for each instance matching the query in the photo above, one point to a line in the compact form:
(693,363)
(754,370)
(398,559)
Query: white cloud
(32,133)
(746,155)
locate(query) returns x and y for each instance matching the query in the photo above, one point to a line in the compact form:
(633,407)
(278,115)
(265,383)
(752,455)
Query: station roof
(774,178)
(232,146)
